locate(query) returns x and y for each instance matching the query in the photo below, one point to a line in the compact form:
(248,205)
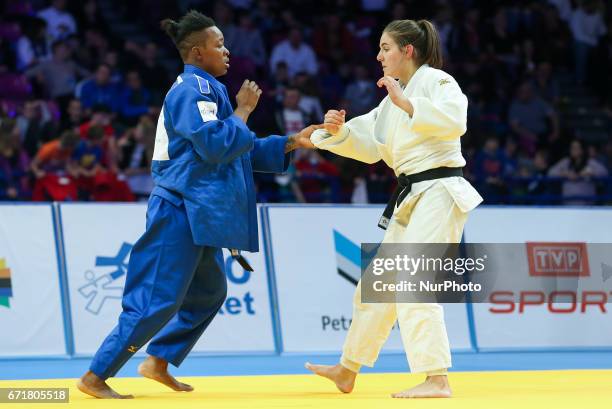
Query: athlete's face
(392,57)
(209,51)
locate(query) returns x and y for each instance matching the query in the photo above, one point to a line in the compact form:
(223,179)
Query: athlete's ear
(409,50)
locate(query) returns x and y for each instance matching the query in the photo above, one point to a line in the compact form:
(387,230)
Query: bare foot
(342,377)
(98,388)
(433,387)
(157,369)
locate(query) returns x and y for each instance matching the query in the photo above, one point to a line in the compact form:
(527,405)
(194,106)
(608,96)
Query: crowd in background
(79,103)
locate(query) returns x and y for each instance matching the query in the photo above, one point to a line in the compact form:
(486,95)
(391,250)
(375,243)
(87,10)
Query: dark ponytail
(190,23)
(422,35)
(171,28)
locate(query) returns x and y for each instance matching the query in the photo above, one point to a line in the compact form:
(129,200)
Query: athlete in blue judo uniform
(203,201)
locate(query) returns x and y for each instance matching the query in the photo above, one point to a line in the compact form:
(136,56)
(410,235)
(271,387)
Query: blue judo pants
(173,290)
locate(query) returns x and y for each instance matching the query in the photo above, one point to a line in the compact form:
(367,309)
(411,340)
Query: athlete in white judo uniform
(416,130)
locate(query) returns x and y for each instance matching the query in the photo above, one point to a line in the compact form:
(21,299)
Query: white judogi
(435,211)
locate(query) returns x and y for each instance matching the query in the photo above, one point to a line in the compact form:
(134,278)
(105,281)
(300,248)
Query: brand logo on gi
(132,349)
(105,285)
(6,290)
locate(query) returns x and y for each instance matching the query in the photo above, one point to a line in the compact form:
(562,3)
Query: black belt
(240,259)
(404,185)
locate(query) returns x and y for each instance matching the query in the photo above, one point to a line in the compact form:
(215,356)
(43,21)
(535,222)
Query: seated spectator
(251,43)
(32,47)
(578,169)
(35,126)
(61,23)
(100,91)
(135,154)
(291,118)
(96,181)
(135,99)
(14,163)
(309,98)
(54,170)
(59,75)
(360,95)
(295,53)
(280,81)
(7,57)
(318,177)
(154,76)
(102,117)
(544,84)
(532,120)
(490,163)
(74,116)
(332,40)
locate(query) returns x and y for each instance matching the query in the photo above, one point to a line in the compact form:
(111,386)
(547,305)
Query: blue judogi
(204,200)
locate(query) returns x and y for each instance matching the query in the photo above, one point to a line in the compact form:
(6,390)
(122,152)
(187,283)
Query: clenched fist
(248,96)
(334,120)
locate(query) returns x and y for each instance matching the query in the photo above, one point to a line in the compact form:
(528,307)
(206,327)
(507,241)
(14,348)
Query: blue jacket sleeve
(194,117)
(268,154)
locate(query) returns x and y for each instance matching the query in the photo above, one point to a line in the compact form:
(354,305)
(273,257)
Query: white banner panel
(317,262)
(548,324)
(98,239)
(30,298)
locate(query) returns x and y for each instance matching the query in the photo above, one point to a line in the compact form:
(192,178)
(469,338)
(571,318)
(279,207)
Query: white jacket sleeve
(354,140)
(444,113)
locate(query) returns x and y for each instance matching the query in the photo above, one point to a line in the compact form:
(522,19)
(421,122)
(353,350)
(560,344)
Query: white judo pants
(429,217)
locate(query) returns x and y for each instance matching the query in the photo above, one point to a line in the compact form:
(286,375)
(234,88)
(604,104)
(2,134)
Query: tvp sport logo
(6,291)
(558,259)
(105,285)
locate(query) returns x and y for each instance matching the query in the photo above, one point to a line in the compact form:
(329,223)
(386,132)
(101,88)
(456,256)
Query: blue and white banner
(98,239)
(30,298)
(316,251)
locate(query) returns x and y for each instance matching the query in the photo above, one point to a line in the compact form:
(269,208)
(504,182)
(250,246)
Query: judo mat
(506,389)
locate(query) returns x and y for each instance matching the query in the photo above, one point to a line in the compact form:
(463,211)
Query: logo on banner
(348,257)
(105,286)
(558,259)
(6,290)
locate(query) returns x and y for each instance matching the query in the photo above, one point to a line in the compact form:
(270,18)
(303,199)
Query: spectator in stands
(135,154)
(532,120)
(154,77)
(318,177)
(224,19)
(490,163)
(135,99)
(309,96)
(35,126)
(54,170)
(587,26)
(291,118)
(280,81)
(295,53)
(32,47)
(59,75)
(100,91)
(250,44)
(73,117)
(360,94)
(14,163)
(578,169)
(60,22)
(102,117)
(332,40)
(96,180)
(544,84)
